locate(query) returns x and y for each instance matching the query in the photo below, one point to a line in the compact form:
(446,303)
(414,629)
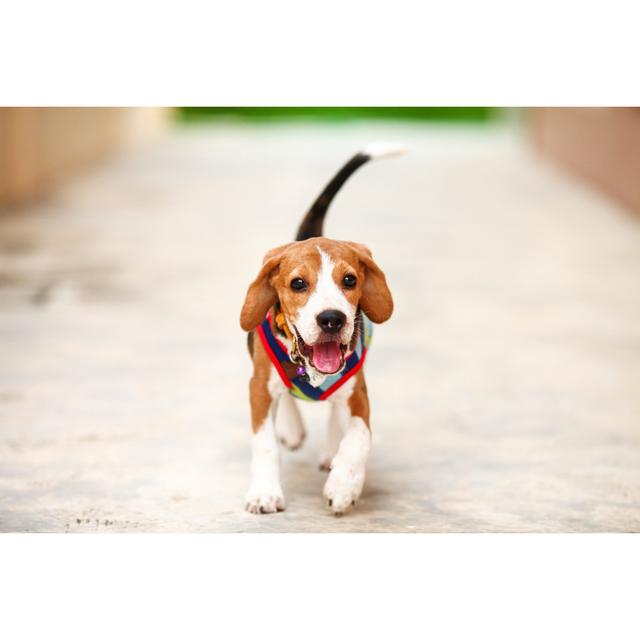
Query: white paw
(343,487)
(264,499)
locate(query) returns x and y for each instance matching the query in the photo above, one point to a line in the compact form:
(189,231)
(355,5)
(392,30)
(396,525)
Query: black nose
(331,321)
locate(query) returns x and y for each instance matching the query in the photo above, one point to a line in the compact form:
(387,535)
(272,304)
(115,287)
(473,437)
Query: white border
(319,586)
(337,52)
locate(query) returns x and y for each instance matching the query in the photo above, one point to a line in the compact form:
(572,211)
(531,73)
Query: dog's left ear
(376,300)
(261,296)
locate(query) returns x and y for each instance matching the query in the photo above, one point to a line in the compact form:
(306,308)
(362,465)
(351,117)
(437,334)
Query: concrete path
(505,390)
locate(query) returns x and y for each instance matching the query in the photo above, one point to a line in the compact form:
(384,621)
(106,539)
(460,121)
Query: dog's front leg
(348,467)
(265,493)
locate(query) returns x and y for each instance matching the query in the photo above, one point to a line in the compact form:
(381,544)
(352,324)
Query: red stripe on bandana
(272,357)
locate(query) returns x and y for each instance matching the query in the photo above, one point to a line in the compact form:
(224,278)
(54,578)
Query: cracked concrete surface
(505,390)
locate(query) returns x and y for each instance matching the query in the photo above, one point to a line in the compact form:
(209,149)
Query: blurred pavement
(505,390)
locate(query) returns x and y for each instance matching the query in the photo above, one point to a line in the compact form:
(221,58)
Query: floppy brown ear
(376,300)
(261,296)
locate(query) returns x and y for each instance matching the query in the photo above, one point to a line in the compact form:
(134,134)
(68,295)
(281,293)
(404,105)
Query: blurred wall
(41,146)
(601,145)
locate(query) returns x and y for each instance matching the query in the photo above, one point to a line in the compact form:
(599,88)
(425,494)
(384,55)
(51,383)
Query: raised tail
(311,226)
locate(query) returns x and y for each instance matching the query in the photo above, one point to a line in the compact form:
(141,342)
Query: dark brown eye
(298,284)
(349,281)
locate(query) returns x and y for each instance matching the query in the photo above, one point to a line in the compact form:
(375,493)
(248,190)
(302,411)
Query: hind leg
(289,424)
(338,422)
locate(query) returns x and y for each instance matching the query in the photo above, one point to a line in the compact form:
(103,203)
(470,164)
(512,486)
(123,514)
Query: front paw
(343,488)
(264,499)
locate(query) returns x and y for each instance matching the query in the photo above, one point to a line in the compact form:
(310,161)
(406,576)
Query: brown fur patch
(375,299)
(250,338)
(302,260)
(259,397)
(359,399)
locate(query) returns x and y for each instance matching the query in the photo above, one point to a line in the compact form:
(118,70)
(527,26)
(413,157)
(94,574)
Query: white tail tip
(384,150)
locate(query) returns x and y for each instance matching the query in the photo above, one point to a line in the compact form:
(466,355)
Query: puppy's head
(320,284)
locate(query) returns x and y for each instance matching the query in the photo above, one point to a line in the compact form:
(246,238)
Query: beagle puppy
(309,313)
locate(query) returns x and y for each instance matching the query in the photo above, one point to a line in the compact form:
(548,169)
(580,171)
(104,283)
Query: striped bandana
(298,385)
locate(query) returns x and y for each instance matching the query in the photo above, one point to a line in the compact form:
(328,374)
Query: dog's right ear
(261,296)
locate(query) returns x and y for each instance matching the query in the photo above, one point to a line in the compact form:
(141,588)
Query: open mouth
(326,355)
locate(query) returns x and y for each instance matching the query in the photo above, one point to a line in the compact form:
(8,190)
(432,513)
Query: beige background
(505,390)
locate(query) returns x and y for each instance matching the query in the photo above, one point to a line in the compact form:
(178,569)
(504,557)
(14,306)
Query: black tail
(311,226)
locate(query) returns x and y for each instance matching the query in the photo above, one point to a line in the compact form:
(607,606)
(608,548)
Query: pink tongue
(326,356)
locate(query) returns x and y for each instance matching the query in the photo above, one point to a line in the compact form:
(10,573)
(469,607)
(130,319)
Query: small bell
(300,370)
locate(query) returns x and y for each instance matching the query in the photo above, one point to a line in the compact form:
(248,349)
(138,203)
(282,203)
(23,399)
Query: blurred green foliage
(442,114)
